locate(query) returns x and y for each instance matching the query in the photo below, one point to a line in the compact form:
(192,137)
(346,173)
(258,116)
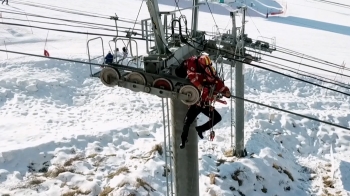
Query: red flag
(46,53)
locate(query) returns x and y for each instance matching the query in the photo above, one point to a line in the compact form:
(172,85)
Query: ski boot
(183,143)
(200,133)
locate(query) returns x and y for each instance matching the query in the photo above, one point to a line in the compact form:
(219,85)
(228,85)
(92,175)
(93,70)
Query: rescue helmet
(204,60)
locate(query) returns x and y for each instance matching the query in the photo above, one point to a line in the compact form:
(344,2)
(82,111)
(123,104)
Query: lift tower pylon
(185,160)
(161,75)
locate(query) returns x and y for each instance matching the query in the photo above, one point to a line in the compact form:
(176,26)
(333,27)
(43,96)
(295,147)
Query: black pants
(7,1)
(192,113)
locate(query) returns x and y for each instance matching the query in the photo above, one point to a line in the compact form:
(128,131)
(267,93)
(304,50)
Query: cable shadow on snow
(312,24)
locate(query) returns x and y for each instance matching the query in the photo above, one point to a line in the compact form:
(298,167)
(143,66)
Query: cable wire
(333,3)
(137,17)
(101,26)
(290,112)
(254,23)
(303,64)
(271,70)
(65,10)
(232,96)
(69,31)
(310,75)
(213,18)
(304,56)
(36,15)
(52,23)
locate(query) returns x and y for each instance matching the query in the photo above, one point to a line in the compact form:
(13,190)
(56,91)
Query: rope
(213,17)
(137,17)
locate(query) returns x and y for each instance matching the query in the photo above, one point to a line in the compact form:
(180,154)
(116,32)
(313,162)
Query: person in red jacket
(202,75)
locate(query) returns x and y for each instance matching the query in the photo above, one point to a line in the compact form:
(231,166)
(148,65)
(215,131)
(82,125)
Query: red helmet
(205,62)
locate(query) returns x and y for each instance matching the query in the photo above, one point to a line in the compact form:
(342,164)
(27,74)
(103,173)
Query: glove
(227,93)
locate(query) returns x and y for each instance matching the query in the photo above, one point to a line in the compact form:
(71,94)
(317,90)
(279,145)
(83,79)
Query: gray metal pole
(234,28)
(169,149)
(194,18)
(185,160)
(239,103)
(166,148)
(239,110)
(234,34)
(157,26)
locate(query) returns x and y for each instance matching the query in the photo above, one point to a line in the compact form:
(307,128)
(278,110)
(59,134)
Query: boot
(200,133)
(183,143)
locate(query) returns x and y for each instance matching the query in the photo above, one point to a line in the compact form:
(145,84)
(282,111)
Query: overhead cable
(314,60)
(69,31)
(302,64)
(334,3)
(213,17)
(68,25)
(64,10)
(41,16)
(271,70)
(232,96)
(290,112)
(310,75)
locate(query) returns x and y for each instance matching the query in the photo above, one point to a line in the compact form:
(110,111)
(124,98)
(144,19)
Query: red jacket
(202,76)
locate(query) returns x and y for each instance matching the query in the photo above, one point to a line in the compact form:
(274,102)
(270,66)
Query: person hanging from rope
(203,76)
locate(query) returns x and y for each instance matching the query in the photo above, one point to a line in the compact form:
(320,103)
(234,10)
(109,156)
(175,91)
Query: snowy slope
(64,132)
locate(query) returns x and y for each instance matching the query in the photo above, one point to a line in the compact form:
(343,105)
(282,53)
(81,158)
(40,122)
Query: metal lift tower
(159,75)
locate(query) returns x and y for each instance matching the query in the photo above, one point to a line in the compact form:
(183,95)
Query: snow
(64,132)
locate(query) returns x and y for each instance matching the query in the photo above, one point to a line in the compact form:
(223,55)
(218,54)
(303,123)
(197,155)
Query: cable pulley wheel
(163,83)
(136,78)
(192,93)
(109,76)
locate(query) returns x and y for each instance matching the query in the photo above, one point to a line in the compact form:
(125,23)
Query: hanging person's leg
(214,118)
(191,115)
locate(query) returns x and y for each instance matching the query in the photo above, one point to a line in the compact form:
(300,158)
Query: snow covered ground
(64,133)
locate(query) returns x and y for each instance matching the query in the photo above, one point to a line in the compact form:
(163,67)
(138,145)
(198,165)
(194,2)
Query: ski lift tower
(168,55)
(159,75)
